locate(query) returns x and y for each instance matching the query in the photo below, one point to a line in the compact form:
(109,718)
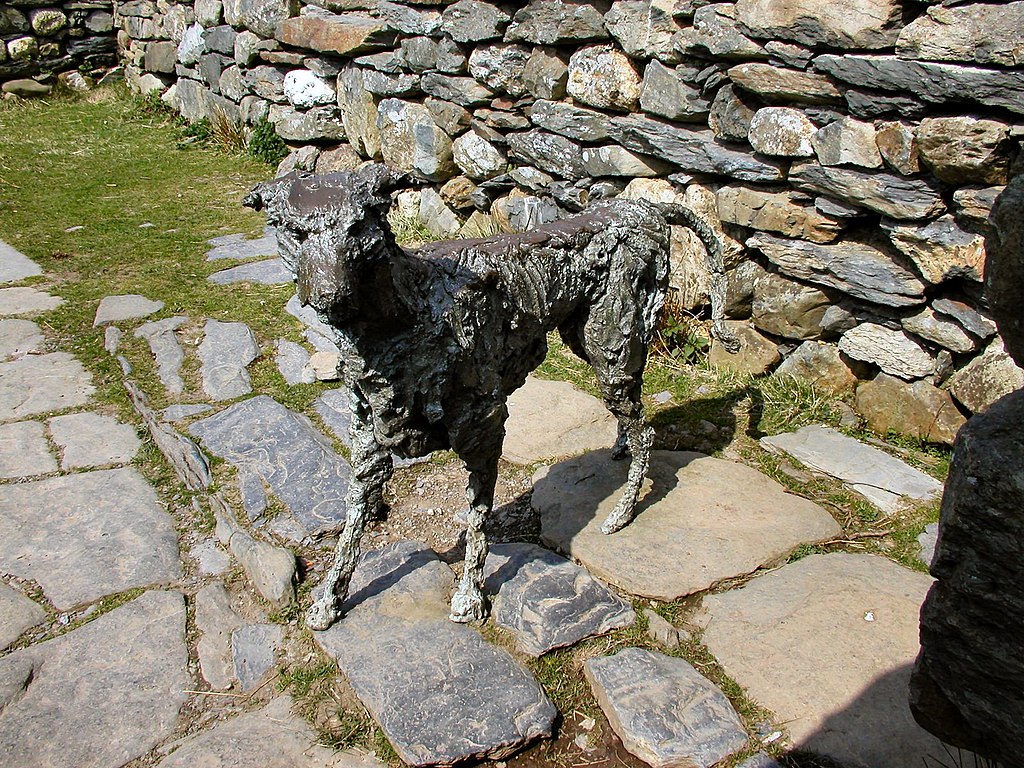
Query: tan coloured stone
(786,85)
(941,250)
(847,142)
(898,147)
(605,78)
(358,113)
(986,378)
(412,141)
(775,212)
(344,35)
(787,308)
(854,24)
(757,355)
(976,33)
(820,365)
(17,614)
(919,410)
(965,150)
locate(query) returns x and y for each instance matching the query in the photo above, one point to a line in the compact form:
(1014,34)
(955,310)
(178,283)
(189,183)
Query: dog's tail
(677,214)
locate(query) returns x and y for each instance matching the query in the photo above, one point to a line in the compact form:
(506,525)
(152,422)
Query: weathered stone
(847,142)
(314,124)
(102,532)
(252,652)
(215,620)
(663,93)
(715,31)
(571,121)
(358,113)
(985,379)
(661,631)
(919,410)
(941,250)
(226,350)
(464,91)
(549,152)
(221,39)
(22,48)
(291,361)
(777,84)
(730,116)
(17,614)
(774,212)
(878,476)
(24,452)
(617,161)
(974,205)
(15,266)
(782,636)
(548,602)
(693,150)
(980,33)
(385,84)
(210,558)
(26,301)
(12,20)
(161,57)
(820,365)
(133,698)
(644,28)
(704,520)
(757,354)
(477,157)
(556,21)
(973,611)
(889,195)
(19,338)
(1006,268)
(605,78)
(159,334)
(927,540)
(341,158)
(304,89)
(439,692)
(788,309)
(470,21)
(113,309)
(268,443)
(41,383)
(93,440)
(26,88)
(855,268)
(546,74)
(47,22)
(271,569)
(344,35)
(183,411)
(898,147)
(458,192)
(934,328)
(892,351)
(268,272)
(412,141)
(796,56)
(436,215)
(266,82)
(572,422)
(859,24)
(676,717)
(500,67)
(781,132)
(930,82)
(965,150)
(192,46)
(522,212)
(410,21)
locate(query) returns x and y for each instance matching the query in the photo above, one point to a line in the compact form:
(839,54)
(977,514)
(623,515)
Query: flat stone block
(216,620)
(129,306)
(23,450)
(98,533)
(212,560)
(99,696)
(700,520)
(827,644)
(267,272)
(260,247)
(664,710)
(40,383)
(183,411)
(291,359)
(93,440)
(226,350)
(269,443)
(27,301)
(547,601)
(19,338)
(440,693)
(881,478)
(252,652)
(169,355)
(17,614)
(15,266)
(549,419)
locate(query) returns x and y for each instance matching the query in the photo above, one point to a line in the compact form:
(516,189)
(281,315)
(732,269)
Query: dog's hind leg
(623,400)
(372,468)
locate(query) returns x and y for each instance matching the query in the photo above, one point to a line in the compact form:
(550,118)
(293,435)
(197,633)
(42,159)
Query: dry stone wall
(849,153)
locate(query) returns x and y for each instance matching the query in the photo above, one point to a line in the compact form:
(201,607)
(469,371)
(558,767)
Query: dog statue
(434,339)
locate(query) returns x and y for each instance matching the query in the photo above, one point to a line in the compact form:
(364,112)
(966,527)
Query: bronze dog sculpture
(433,340)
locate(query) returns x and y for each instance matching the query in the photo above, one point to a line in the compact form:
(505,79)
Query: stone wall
(851,151)
(40,39)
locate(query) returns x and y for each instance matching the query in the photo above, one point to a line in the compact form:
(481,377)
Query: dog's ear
(381,180)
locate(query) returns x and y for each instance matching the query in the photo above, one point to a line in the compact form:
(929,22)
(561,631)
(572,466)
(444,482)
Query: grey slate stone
(894,196)
(216,620)
(292,359)
(267,272)
(556,21)
(212,560)
(470,21)
(100,696)
(664,94)
(26,301)
(17,614)
(159,334)
(664,710)
(927,540)
(239,248)
(252,652)
(99,533)
(439,691)
(549,152)
(113,309)
(548,602)
(268,443)
(14,265)
(183,411)
(464,91)
(881,478)
(226,350)
(571,121)
(93,440)
(40,383)
(23,450)
(19,337)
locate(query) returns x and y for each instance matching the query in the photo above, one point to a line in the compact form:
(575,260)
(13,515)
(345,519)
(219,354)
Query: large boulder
(605,78)
(411,141)
(358,113)
(858,24)
(1005,267)
(965,150)
(978,33)
(917,409)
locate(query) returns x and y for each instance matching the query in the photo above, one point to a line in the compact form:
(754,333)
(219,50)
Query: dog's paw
(468,606)
(321,615)
(617,520)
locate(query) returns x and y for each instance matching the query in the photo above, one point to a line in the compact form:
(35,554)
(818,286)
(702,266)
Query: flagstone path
(127,633)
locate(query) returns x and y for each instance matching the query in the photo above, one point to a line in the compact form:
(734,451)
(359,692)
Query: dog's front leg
(372,468)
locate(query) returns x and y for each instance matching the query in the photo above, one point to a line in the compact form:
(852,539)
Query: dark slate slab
(260,247)
(664,710)
(266,272)
(438,690)
(252,652)
(270,444)
(547,601)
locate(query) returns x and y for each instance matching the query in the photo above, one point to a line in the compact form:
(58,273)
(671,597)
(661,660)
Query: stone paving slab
(827,644)
(440,693)
(97,534)
(291,360)
(226,350)
(15,266)
(552,419)
(17,614)
(702,520)
(100,696)
(878,476)
(548,602)
(24,451)
(128,306)
(271,737)
(225,248)
(664,711)
(41,383)
(266,272)
(319,334)
(159,334)
(269,443)
(252,652)
(19,337)
(27,301)
(93,440)
(183,411)
(216,620)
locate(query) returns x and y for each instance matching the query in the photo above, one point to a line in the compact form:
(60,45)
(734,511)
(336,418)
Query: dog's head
(329,228)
